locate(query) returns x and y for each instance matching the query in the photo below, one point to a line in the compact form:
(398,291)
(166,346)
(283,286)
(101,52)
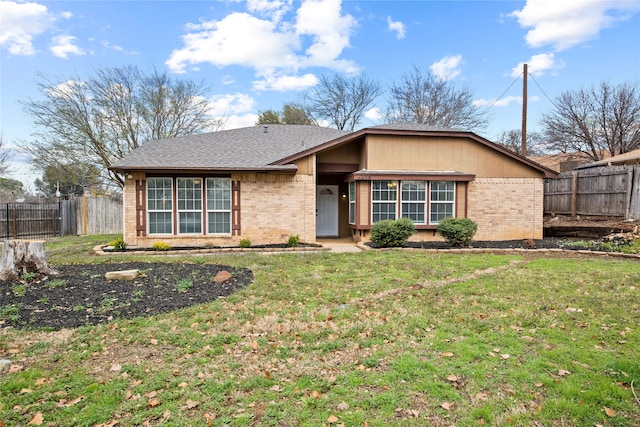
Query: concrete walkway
(340,245)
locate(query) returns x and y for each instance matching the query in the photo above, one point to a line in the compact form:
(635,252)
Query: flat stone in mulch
(81,295)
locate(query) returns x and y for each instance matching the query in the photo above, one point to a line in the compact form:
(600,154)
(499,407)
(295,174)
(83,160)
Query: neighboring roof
(251,148)
(562,162)
(630,158)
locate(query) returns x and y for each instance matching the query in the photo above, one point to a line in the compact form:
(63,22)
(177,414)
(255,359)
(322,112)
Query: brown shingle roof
(255,147)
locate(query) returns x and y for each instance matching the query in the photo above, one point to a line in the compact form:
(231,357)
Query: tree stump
(24,256)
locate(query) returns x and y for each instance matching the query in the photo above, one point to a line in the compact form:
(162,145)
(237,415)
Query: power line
(542,90)
(503,93)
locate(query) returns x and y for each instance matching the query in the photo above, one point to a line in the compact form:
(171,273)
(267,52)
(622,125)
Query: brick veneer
(507,208)
(273,207)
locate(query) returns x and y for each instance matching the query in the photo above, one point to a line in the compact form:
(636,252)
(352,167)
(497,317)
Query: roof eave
(288,168)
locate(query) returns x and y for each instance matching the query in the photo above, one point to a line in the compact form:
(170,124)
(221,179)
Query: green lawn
(376,338)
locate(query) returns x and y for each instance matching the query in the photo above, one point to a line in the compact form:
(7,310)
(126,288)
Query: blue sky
(259,54)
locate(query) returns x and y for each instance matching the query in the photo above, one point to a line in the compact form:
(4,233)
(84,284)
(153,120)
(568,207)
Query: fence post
(574,194)
(60,217)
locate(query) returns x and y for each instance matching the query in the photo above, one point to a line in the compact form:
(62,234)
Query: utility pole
(523,149)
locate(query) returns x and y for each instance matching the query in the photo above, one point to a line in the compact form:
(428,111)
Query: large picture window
(160,205)
(384,200)
(189,209)
(423,202)
(189,199)
(219,205)
(442,200)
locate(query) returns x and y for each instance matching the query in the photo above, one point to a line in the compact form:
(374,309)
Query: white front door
(327,210)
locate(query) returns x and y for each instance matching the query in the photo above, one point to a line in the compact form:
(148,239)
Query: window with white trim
(189,198)
(423,202)
(413,201)
(160,205)
(441,200)
(219,205)
(352,202)
(384,200)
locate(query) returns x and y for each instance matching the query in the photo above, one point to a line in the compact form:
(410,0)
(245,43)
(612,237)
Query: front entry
(327,210)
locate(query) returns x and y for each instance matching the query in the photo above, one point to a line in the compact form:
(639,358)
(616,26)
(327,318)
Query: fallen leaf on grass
(447,405)
(116,367)
(332,419)
(482,396)
(26,391)
(41,381)
(447,354)
(153,403)
(453,378)
(315,394)
(192,404)
(481,421)
(343,406)
(37,420)
(610,412)
(563,372)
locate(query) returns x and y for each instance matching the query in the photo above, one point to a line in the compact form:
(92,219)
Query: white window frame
(417,199)
(166,200)
(191,198)
(211,202)
(433,203)
(352,202)
(386,188)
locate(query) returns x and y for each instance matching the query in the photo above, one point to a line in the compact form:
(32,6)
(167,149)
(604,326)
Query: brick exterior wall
(507,208)
(272,208)
(275,207)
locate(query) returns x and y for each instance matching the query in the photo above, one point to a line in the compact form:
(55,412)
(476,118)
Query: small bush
(457,231)
(119,244)
(391,233)
(293,241)
(160,246)
(245,243)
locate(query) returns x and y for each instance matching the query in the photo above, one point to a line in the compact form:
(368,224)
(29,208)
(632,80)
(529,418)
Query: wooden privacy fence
(612,191)
(84,216)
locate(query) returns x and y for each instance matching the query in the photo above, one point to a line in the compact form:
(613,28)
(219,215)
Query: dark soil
(81,295)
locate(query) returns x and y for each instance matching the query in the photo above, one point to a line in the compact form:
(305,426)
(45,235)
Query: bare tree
(512,140)
(4,157)
(421,97)
(99,120)
(341,100)
(602,120)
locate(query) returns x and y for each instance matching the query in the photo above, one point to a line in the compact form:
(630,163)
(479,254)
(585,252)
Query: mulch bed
(81,295)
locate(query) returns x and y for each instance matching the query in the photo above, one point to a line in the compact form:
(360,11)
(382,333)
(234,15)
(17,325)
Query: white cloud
(63,46)
(538,65)
(275,9)
(65,89)
(117,48)
(374,114)
(503,102)
(276,49)
(236,121)
(566,23)
(285,83)
(231,103)
(20,23)
(397,27)
(237,39)
(448,68)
